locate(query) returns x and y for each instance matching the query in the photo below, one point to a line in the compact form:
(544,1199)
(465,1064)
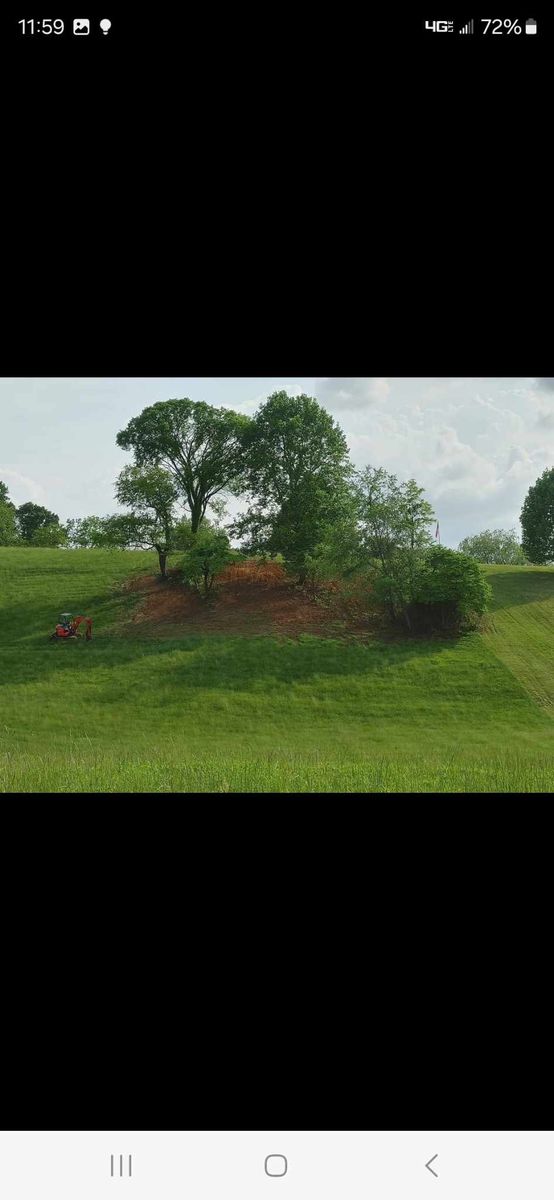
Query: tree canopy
(200,446)
(537,520)
(296,469)
(494,546)
(85,533)
(391,516)
(31,517)
(393,522)
(52,536)
(152,494)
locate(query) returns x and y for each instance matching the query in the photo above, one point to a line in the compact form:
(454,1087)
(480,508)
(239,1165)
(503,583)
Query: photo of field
(220,662)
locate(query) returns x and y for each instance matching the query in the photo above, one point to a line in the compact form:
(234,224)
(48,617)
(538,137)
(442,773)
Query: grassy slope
(227,713)
(522,628)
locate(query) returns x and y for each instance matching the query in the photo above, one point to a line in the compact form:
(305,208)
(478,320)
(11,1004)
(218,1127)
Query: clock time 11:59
(46,25)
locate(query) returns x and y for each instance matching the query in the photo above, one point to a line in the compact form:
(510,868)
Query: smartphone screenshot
(227,573)
(276,525)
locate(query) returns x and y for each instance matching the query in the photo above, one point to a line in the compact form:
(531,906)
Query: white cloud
(545,420)
(474,445)
(351,393)
(21,488)
(458,468)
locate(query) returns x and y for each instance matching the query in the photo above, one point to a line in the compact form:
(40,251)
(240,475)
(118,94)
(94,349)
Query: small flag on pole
(437,534)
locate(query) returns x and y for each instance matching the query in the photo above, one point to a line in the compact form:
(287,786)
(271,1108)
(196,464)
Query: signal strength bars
(469,28)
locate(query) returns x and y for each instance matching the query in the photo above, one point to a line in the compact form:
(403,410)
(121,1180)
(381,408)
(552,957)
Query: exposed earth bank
(247,599)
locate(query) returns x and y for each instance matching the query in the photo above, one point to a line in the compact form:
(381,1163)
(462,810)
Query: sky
(474,444)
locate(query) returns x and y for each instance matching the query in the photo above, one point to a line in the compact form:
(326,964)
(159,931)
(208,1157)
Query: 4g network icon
(440,26)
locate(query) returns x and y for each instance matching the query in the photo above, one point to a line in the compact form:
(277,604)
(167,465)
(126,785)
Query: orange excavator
(68,627)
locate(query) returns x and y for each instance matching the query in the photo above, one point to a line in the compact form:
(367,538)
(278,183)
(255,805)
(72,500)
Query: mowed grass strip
(521,630)
(245,713)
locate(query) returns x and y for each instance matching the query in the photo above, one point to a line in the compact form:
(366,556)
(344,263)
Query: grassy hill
(183,708)
(522,628)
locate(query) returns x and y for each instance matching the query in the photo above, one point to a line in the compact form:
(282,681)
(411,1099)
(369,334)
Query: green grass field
(229,713)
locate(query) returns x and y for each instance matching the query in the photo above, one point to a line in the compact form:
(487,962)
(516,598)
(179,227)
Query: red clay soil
(248,599)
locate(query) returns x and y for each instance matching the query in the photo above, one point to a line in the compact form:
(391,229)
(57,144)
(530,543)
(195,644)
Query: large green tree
(494,546)
(4,496)
(296,473)
(31,517)
(200,446)
(537,520)
(152,494)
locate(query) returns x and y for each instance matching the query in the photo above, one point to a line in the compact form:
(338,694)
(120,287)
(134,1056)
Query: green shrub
(450,591)
(208,553)
(50,536)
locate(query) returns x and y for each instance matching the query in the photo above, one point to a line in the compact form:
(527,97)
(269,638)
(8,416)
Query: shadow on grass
(213,661)
(522,586)
(243,663)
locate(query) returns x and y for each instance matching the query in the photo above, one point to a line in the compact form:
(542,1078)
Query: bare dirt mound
(248,599)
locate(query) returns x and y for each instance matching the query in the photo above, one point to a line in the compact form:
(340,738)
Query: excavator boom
(77,621)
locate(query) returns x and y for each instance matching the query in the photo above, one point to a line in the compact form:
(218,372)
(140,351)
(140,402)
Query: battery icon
(530,26)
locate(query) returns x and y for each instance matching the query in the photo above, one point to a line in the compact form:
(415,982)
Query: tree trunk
(162,556)
(195,517)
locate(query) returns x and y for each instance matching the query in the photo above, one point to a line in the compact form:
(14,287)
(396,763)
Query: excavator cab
(67,627)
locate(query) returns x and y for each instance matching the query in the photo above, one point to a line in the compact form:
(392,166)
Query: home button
(276,1164)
